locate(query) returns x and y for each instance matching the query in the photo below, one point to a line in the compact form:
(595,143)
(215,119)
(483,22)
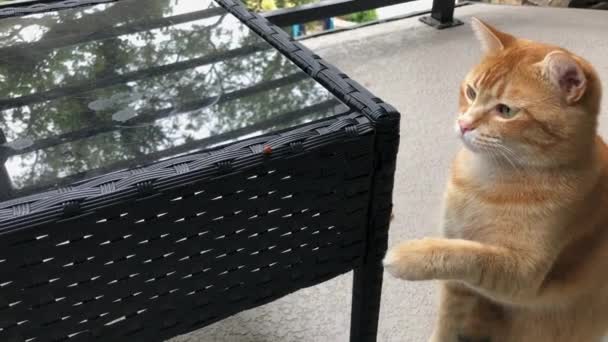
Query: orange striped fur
(525,252)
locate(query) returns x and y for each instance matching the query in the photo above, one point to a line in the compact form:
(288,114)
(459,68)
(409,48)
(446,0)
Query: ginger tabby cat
(525,253)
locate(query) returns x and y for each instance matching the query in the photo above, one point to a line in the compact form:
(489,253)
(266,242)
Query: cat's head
(532,103)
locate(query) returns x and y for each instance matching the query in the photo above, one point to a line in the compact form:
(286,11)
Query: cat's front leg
(412,260)
(505,274)
(432,258)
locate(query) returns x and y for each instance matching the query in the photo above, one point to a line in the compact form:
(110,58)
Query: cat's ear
(565,74)
(490,38)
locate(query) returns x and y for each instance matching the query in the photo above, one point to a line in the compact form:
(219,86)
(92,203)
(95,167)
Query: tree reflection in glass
(92,90)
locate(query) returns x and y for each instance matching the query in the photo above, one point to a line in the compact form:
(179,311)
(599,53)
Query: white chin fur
(468,140)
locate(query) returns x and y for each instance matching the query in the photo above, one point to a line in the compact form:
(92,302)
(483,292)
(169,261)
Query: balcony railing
(441,16)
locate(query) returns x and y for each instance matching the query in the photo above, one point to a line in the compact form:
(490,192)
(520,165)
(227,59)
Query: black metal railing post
(442,15)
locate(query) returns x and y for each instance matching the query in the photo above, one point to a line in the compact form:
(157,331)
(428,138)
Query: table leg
(367,278)
(367,281)
(367,288)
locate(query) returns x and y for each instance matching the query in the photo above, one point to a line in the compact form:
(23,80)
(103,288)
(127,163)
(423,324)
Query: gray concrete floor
(418,70)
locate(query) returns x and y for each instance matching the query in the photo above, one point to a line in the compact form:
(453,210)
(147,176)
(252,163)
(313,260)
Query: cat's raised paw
(409,260)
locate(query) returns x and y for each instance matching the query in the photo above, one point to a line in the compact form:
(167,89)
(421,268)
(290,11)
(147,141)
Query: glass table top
(91,90)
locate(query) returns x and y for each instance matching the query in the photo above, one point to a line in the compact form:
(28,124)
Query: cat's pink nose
(465,126)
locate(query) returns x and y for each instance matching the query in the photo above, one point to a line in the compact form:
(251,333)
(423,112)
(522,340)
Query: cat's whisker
(507,151)
(494,156)
(493,148)
(511,153)
(489,152)
(517,169)
(512,158)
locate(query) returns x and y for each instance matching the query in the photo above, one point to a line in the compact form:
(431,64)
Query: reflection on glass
(91,90)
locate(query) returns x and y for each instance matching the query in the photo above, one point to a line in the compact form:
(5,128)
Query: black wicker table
(165,164)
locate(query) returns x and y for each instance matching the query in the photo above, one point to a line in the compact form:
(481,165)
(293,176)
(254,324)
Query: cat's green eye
(471,94)
(505,111)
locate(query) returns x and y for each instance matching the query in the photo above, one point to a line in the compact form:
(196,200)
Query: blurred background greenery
(313,27)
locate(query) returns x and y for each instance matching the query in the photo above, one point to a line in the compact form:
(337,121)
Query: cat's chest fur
(482,204)
(491,216)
